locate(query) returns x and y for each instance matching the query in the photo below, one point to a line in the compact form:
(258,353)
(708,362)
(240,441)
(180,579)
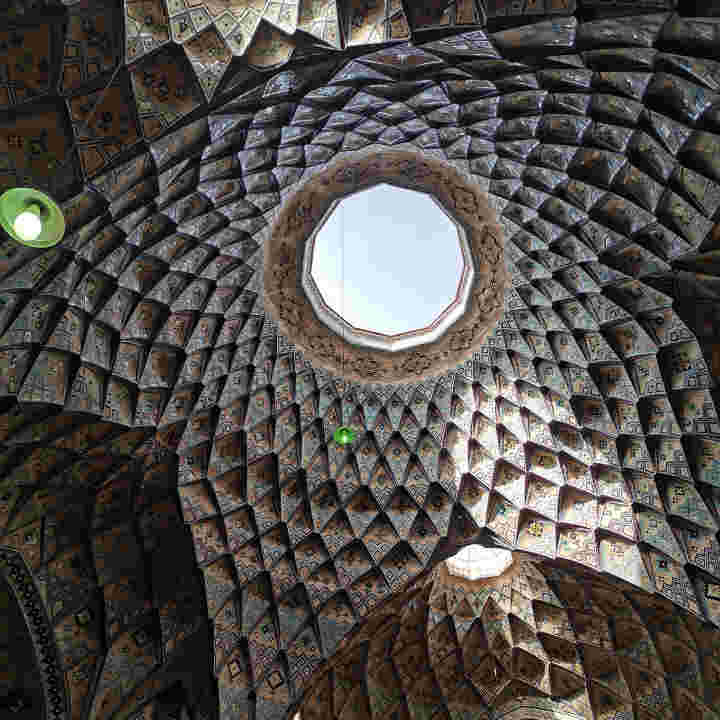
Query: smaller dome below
(388,261)
(476,562)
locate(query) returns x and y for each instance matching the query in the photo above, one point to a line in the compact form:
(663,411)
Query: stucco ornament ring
(365,356)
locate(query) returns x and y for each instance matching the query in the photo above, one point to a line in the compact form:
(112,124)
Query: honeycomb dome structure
(181,536)
(535,643)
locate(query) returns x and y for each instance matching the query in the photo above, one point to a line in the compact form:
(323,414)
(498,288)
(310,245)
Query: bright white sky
(475,562)
(402,260)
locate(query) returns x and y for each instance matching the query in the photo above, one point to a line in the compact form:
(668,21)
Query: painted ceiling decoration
(180,532)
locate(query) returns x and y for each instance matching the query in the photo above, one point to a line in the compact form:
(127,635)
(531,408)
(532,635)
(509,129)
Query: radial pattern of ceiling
(158,433)
(388,260)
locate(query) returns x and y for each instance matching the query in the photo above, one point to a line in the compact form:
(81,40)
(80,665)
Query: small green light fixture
(31,217)
(344,436)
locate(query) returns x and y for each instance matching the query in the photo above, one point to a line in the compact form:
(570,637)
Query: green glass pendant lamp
(343,435)
(31,217)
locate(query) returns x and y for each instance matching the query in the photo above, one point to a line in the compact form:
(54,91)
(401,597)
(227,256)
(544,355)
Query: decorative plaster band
(317,331)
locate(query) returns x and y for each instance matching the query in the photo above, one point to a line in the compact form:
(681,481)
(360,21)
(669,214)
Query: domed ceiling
(180,534)
(534,643)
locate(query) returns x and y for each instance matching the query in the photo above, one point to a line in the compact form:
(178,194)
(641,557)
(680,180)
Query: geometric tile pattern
(538,640)
(267,32)
(92,44)
(212,32)
(78,49)
(143,380)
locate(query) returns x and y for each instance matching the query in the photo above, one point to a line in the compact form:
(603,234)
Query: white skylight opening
(476,562)
(403,260)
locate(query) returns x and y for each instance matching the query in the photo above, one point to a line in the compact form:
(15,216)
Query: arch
(16,573)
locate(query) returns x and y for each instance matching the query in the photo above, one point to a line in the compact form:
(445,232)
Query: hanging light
(31,217)
(28,224)
(343,435)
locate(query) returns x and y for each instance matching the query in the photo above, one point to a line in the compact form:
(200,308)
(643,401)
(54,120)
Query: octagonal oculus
(405,275)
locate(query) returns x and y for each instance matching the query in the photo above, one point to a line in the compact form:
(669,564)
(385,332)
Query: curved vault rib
(584,429)
(28,688)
